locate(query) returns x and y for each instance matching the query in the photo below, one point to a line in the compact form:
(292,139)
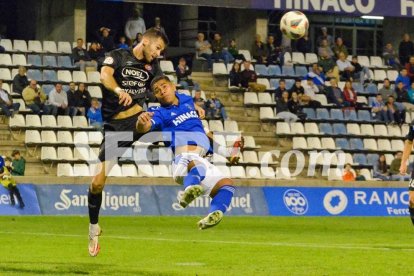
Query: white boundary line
(382,247)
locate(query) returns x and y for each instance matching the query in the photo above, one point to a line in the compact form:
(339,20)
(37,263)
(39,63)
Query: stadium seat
(250,156)
(162,171)
(93,153)
(167,66)
(237,172)
(17,121)
(392,75)
(287,57)
(267,172)
(266,113)
(94,77)
(377,62)
(310,113)
(322,99)
(34,60)
(79,76)
(65,137)
(80,138)
(129,170)
(6,44)
(65,153)
(339,129)
(274,83)
(397,145)
(81,170)
(389,158)
(216,125)
(288,70)
(405,128)
(116,171)
(311,128)
(5,59)
(322,114)
(298,58)
(334,174)
(34,74)
(360,159)
(325,128)
(362,100)
(80,122)
(353,129)
(81,153)
(337,114)
(297,128)
(64,169)
(380,75)
(299,143)
(364,61)
(48,154)
(356,144)
(265,82)
(50,75)
(370,144)
(145,170)
(48,137)
(328,143)
(231,126)
(19,59)
(265,98)
(64,75)
(253,172)
(20,46)
(372,158)
(64,121)
(394,131)
(95,137)
(313,143)
(380,130)
(364,115)
(34,46)
(64,47)
(32,137)
(261,70)
(49,47)
(350,115)
(22,104)
(250,143)
(311,58)
(282,128)
(5,74)
(219,69)
(49,121)
(33,120)
(50,61)
(65,62)
(247,55)
(342,143)
(95,91)
(359,88)
(301,71)
(274,70)
(371,89)
(289,83)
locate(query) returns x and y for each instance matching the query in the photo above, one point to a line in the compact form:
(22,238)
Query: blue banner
(28,193)
(306,201)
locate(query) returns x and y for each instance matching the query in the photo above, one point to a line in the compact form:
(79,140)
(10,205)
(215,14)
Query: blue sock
(195,175)
(222,200)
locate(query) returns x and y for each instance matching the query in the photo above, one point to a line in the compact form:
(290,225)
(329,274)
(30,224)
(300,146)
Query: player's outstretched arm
(108,80)
(408,146)
(144,122)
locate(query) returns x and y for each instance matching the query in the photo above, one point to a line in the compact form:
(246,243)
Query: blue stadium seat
(287,70)
(301,71)
(310,113)
(371,100)
(350,114)
(49,61)
(325,128)
(356,144)
(337,114)
(47,88)
(274,83)
(339,129)
(342,143)
(359,88)
(322,114)
(289,83)
(371,89)
(372,158)
(364,115)
(34,60)
(274,70)
(261,70)
(65,62)
(34,74)
(360,158)
(50,75)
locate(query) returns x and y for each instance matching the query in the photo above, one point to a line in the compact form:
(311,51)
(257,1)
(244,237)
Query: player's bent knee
(223,182)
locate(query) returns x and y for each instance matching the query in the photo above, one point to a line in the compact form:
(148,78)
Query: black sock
(411,214)
(94,205)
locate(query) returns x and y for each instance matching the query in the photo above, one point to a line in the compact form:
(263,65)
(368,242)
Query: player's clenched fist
(145,117)
(124,98)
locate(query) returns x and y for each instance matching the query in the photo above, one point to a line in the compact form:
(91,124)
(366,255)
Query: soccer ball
(294,24)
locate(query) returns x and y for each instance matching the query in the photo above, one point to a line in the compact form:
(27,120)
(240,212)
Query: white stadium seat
(6,44)
(129,170)
(64,153)
(266,113)
(95,92)
(32,137)
(64,47)
(33,121)
(35,46)
(94,77)
(167,66)
(64,75)
(48,153)
(64,169)
(237,172)
(79,76)
(19,46)
(81,170)
(49,137)
(384,144)
(50,47)
(282,128)
(250,98)
(219,69)
(64,121)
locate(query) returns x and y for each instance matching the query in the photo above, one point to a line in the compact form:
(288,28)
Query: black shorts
(119,135)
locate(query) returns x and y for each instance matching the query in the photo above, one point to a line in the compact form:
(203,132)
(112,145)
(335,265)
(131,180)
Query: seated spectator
(381,169)
(59,99)
(159,27)
(387,90)
(402,94)
(349,174)
(279,91)
(35,99)
(203,48)
(297,87)
(308,98)
(395,169)
(324,36)
(137,40)
(282,108)
(295,107)
(403,77)
(215,109)
(106,39)
(335,95)
(235,75)
(81,57)
(361,73)
(234,51)
(340,47)
(96,53)
(379,109)
(122,43)
(85,101)
(18,163)
(317,76)
(20,81)
(219,50)
(249,79)
(259,52)
(274,54)
(350,95)
(184,74)
(325,50)
(410,68)
(391,57)
(95,114)
(79,99)
(346,70)
(198,100)
(7,106)
(304,44)
(328,66)
(395,114)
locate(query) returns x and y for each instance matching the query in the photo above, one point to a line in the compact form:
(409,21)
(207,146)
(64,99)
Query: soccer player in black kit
(408,147)
(126,76)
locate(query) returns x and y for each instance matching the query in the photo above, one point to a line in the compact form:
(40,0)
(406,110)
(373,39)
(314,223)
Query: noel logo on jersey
(135,73)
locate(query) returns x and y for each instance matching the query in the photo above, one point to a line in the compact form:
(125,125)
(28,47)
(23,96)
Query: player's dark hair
(157,79)
(155,33)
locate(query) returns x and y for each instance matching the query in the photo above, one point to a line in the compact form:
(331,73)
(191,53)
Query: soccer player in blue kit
(177,116)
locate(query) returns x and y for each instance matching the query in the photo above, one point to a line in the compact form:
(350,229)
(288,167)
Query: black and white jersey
(132,75)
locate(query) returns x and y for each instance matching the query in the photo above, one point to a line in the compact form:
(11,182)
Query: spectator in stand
(81,57)
(410,69)
(280,90)
(406,49)
(387,90)
(159,27)
(74,97)
(391,57)
(35,99)
(234,51)
(85,96)
(203,48)
(297,87)
(18,163)
(235,75)
(184,74)
(273,53)
(325,50)
(219,51)
(403,77)
(304,44)
(325,36)
(215,109)
(137,40)
(308,98)
(20,81)
(96,53)
(259,52)
(8,182)
(59,99)
(249,79)
(350,95)
(349,173)
(395,169)
(317,76)
(95,114)
(335,95)
(198,100)
(134,25)
(7,106)
(79,99)
(340,47)
(379,109)
(394,113)
(122,43)
(346,70)
(282,108)
(361,73)
(106,38)
(401,92)
(381,169)
(295,106)
(328,66)
(411,93)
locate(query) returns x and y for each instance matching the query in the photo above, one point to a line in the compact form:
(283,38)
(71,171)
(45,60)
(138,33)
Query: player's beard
(147,55)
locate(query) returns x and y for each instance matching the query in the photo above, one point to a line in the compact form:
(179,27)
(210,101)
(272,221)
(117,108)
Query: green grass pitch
(238,246)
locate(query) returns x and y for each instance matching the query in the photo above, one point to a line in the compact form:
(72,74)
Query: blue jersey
(180,123)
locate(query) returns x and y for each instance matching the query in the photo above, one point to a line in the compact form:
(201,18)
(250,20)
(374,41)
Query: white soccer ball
(294,24)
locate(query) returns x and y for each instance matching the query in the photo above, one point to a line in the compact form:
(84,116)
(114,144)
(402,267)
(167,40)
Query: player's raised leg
(191,182)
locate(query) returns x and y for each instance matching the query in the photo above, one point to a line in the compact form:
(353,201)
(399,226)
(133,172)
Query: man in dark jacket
(20,81)
(406,49)
(6,102)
